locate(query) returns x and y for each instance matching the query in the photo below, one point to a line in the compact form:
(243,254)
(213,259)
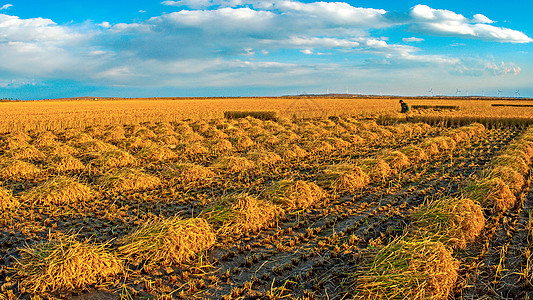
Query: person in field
(405,107)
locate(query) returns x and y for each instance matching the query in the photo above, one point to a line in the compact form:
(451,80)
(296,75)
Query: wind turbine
(517,93)
(431,92)
(457,92)
(500,93)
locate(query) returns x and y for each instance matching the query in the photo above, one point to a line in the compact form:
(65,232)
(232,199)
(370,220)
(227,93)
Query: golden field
(58,114)
(338,198)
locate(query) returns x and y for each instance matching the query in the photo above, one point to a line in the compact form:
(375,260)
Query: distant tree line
(8,99)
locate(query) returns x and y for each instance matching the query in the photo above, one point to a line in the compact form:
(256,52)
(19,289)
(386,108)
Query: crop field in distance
(312,197)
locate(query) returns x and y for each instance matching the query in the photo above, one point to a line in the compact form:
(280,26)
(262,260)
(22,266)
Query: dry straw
(188,175)
(196,149)
(25,153)
(291,151)
(45,139)
(96,146)
(220,146)
(377,169)
(136,143)
(263,158)
(114,134)
(233,164)
(62,150)
(407,269)
(414,154)
(65,163)
(242,142)
(127,179)
(15,140)
(169,241)
(295,194)
(512,161)
(17,169)
(156,153)
(114,159)
(454,221)
(344,178)
(491,193)
(509,175)
(238,214)
(59,190)
(64,263)
(395,159)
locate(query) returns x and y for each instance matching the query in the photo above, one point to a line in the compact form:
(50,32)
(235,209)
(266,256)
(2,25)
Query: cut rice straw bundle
(473,129)
(220,146)
(65,163)
(344,178)
(491,193)
(514,180)
(169,241)
(114,159)
(395,159)
(96,146)
(242,143)
(63,263)
(17,169)
(62,150)
(238,214)
(45,139)
(295,194)
(377,169)
(414,154)
(26,153)
(157,154)
(59,190)
(263,158)
(405,269)
(515,162)
(291,151)
(233,164)
(189,175)
(195,149)
(430,147)
(455,222)
(127,179)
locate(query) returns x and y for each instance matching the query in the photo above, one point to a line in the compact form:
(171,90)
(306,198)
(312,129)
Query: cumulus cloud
(37,46)
(217,42)
(448,23)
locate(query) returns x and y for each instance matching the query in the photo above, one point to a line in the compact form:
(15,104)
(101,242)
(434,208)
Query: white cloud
(317,42)
(218,42)
(412,39)
(479,18)
(201,4)
(448,23)
(502,68)
(6,6)
(105,25)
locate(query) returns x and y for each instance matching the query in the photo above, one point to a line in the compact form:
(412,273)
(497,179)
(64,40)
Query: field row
(224,224)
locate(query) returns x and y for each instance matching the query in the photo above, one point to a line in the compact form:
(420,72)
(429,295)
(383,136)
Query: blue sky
(52,49)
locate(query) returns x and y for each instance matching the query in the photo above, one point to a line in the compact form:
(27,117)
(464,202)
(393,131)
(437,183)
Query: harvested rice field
(343,207)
